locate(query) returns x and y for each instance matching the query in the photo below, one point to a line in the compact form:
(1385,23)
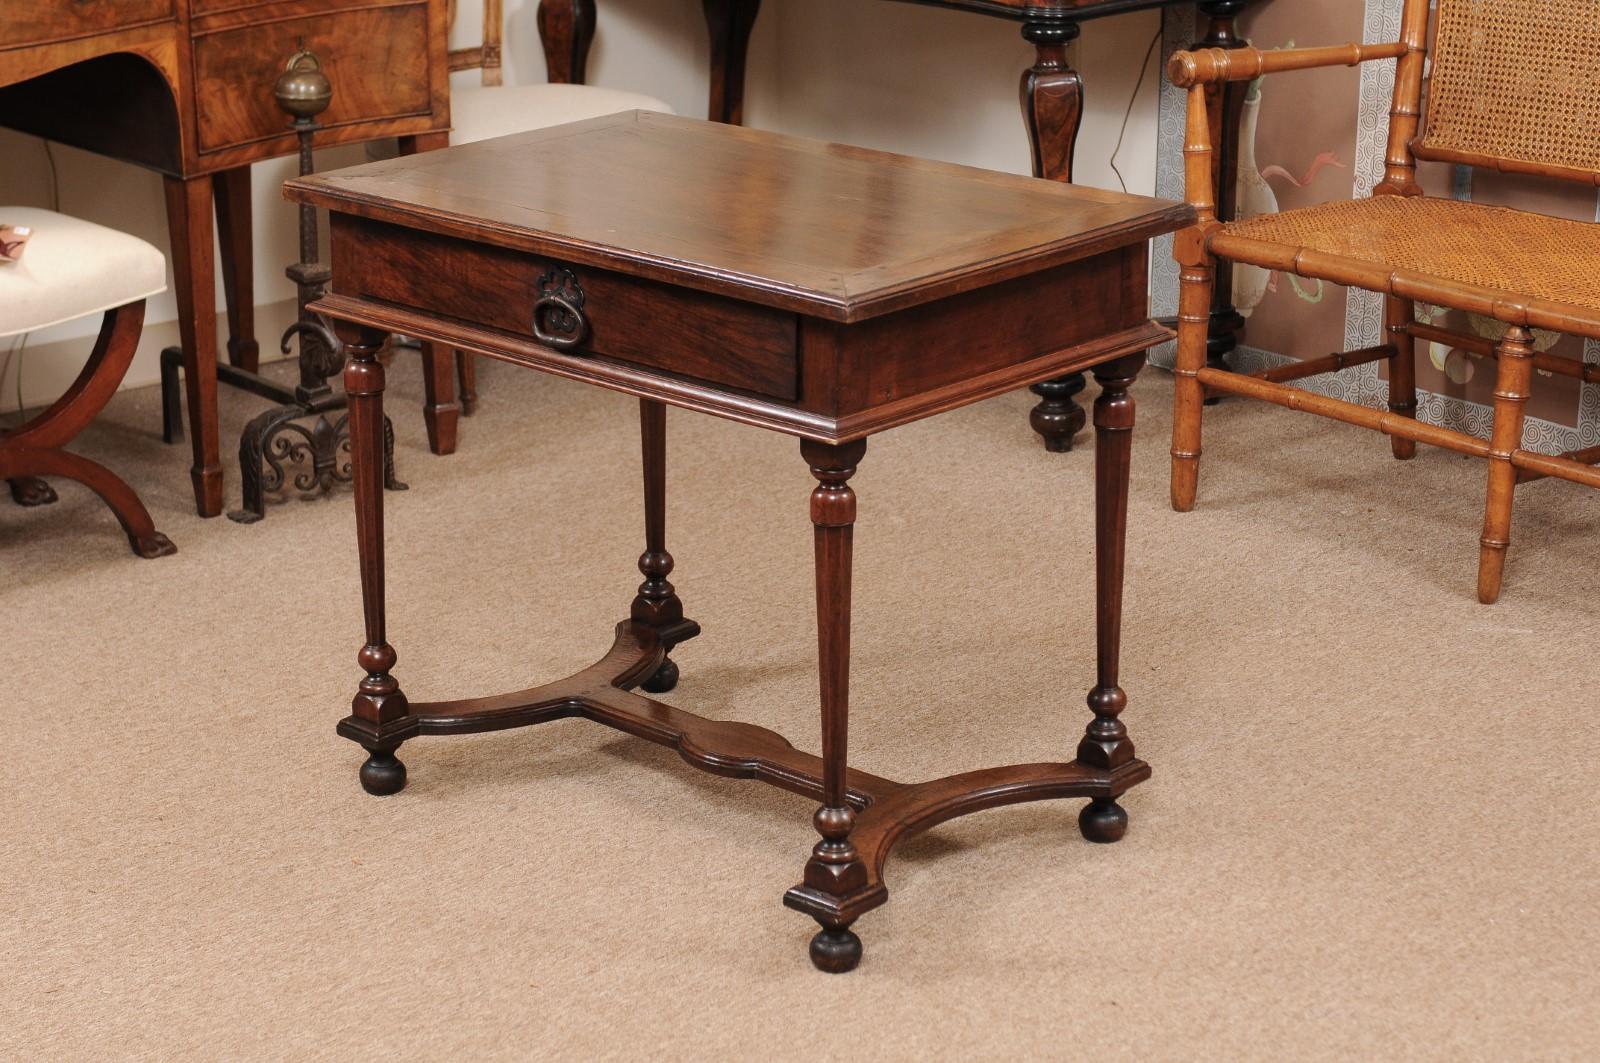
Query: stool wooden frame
(35,449)
(1478,117)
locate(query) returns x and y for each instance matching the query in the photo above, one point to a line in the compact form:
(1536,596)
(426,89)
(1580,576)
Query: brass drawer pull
(558,319)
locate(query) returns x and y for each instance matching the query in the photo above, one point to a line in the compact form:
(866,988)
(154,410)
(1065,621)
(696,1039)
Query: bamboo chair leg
(1515,372)
(1397,317)
(1194,320)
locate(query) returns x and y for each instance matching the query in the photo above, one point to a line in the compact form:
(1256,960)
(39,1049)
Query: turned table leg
(835,868)
(378,699)
(1052,107)
(441,412)
(730,23)
(657,602)
(1105,743)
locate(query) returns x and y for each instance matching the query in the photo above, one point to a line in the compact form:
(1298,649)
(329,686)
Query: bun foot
(1103,820)
(383,774)
(31,491)
(153,545)
(664,679)
(835,950)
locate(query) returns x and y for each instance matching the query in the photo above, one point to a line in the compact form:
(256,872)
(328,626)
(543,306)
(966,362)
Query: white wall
(887,75)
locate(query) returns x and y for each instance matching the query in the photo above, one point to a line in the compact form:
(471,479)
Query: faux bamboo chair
(492,109)
(72,269)
(1514,87)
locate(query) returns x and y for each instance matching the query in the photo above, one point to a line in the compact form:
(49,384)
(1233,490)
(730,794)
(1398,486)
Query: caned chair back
(1514,85)
(485,57)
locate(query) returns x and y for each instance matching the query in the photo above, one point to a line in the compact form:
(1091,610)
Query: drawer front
(645,323)
(375,57)
(39,21)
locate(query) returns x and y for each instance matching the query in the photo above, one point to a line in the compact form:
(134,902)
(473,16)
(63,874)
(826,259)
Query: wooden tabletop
(836,232)
(1046,9)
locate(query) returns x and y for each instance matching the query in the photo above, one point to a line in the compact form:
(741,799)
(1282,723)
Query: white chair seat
(72,268)
(484,112)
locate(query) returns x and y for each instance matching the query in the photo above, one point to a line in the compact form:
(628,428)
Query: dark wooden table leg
(657,602)
(1228,101)
(730,23)
(189,205)
(441,412)
(378,699)
(835,868)
(1105,743)
(1052,107)
(231,189)
(566,30)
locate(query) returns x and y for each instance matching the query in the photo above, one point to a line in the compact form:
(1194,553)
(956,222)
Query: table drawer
(658,326)
(38,21)
(376,58)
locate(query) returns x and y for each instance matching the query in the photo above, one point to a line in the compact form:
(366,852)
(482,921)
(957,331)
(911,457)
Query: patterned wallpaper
(1315,136)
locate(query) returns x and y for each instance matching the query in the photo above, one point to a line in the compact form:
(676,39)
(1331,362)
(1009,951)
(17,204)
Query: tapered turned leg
(1514,375)
(1397,316)
(1052,108)
(1105,743)
(231,189)
(378,699)
(189,207)
(656,603)
(835,868)
(730,23)
(1194,316)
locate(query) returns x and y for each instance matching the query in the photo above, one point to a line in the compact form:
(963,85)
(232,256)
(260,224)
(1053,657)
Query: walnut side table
(822,291)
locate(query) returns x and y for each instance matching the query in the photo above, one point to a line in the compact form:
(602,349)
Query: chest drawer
(375,56)
(658,326)
(40,21)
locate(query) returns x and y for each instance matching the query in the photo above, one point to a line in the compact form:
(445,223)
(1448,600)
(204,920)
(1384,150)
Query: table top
(835,232)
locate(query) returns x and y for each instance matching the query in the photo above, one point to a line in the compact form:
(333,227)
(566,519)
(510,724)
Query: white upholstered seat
(71,269)
(480,113)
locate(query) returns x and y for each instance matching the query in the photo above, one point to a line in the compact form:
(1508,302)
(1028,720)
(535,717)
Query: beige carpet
(1371,832)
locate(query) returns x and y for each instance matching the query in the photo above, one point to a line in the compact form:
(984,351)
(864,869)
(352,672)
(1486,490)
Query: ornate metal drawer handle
(558,319)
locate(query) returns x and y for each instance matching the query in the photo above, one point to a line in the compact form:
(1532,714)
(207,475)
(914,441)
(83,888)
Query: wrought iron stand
(276,438)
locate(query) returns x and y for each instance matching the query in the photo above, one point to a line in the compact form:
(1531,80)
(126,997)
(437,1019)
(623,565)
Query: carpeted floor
(1371,832)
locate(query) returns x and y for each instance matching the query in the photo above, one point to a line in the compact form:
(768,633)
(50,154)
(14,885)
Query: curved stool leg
(96,384)
(16,461)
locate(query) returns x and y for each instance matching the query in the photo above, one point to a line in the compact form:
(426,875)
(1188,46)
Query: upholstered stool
(72,269)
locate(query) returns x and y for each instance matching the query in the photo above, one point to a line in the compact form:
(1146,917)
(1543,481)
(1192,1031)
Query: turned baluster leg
(1105,743)
(835,868)
(656,603)
(1513,379)
(1397,317)
(1052,107)
(378,700)
(1227,105)
(730,23)
(566,30)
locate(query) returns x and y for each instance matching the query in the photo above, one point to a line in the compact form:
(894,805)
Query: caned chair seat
(481,113)
(71,269)
(1551,266)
